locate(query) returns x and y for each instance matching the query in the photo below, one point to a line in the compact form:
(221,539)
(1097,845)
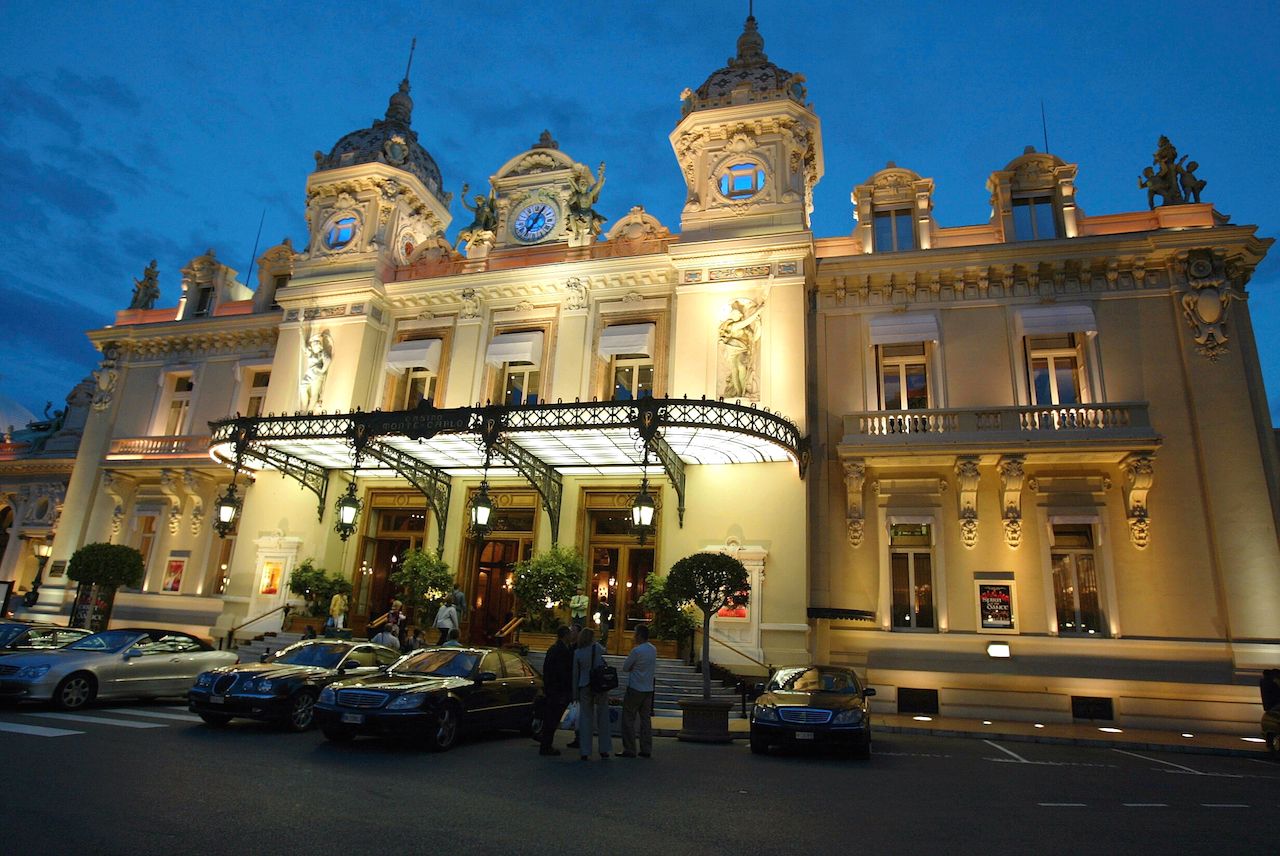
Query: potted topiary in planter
(671,626)
(709,581)
(541,584)
(316,588)
(425,579)
(100,569)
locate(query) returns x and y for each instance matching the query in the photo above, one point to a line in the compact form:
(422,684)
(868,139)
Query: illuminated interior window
(911,576)
(340,233)
(1054,366)
(145,539)
(1075,581)
(178,406)
(742,180)
(419,384)
(520,383)
(258,383)
(904,377)
(1033,219)
(894,231)
(632,377)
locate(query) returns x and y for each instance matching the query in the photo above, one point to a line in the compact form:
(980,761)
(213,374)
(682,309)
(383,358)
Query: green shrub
(547,578)
(107,565)
(710,581)
(671,619)
(425,578)
(316,587)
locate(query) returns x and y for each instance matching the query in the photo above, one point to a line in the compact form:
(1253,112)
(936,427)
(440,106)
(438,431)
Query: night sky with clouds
(140,130)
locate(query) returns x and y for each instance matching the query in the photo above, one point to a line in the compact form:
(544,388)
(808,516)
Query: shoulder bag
(603,677)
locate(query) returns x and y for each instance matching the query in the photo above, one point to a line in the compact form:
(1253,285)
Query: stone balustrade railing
(1026,422)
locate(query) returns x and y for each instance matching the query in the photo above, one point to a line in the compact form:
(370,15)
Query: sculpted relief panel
(738,351)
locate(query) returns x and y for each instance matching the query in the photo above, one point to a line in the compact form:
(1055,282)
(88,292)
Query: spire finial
(412,47)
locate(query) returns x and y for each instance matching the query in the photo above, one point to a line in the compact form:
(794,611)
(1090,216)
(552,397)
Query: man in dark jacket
(557,680)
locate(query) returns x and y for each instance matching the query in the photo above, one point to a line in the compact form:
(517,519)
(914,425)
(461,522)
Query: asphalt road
(149,778)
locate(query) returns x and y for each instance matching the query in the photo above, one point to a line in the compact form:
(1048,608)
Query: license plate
(804,735)
(217,699)
(353,718)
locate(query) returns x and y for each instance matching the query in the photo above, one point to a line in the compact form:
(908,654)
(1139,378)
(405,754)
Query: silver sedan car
(134,662)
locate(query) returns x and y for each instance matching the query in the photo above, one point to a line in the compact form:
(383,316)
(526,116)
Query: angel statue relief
(317,354)
(739,336)
(486,215)
(584,220)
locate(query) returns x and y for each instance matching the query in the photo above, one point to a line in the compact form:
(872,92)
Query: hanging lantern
(227,508)
(348,507)
(481,512)
(642,509)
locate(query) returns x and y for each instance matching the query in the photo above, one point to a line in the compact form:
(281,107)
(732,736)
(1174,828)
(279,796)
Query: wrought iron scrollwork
(434,484)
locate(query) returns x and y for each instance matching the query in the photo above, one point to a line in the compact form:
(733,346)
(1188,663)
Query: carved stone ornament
(855,477)
(117,487)
(1206,301)
(1012,477)
(575,294)
(105,378)
(739,350)
(1139,472)
(317,355)
(470,304)
(967,476)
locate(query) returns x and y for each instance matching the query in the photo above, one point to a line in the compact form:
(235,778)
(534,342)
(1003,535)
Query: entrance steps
(254,650)
(673,680)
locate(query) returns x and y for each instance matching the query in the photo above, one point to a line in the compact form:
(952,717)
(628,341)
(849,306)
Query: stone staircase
(673,680)
(254,650)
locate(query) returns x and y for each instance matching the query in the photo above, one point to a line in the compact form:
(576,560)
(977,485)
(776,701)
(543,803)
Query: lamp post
(42,551)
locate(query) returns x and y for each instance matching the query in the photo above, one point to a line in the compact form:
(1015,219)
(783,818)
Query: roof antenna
(751,8)
(1044,125)
(412,46)
(253,271)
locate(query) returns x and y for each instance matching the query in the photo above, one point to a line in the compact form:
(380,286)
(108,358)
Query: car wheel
(301,711)
(75,691)
(338,735)
(216,720)
(1273,745)
(445,733)
(862,751)
(759,745)
(533,726)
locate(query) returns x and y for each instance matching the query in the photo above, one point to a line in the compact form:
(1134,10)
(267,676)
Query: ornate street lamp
(642,509)
(42,550)
(481,512)
(348,507)
(227,508)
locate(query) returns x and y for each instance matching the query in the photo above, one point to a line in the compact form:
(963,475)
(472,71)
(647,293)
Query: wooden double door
(617,578)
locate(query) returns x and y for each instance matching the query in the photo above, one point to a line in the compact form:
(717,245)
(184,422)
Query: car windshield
(9,632)
(326,655)
(108,640)
(815,681)
(441,662)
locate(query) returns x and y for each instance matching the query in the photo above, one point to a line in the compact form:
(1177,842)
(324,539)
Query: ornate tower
(750,148)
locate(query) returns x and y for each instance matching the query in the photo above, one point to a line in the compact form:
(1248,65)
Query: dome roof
(390,141)
(749,70)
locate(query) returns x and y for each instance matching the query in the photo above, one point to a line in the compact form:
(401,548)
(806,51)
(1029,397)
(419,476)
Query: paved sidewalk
(1074,734)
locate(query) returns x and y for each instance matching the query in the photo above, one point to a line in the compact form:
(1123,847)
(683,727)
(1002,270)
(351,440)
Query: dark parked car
(813,705)
(19,636)
(1271,731)
(283,688)
(434,695)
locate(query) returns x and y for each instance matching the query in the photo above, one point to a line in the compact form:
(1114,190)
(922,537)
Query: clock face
(534,222)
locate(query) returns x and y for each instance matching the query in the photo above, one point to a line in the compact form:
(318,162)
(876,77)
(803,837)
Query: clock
(535,222)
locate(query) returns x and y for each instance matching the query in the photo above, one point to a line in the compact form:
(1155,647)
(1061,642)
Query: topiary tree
(544,581)
(425,578)
(710,581)
(110,565)
(671,620)
(316,587)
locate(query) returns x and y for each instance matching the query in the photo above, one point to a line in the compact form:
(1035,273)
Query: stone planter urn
(705,720)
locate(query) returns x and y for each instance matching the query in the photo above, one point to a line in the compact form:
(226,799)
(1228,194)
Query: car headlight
(328,696)
(852,716)
(766,713)
(204,679)
(408,701)
(30,673)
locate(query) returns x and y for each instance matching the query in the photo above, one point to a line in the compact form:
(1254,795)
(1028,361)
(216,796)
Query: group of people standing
(397,634)
(567,677)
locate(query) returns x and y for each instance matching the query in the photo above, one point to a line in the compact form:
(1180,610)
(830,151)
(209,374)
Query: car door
(485,699)
(187,659)
(521,689)
(143,668)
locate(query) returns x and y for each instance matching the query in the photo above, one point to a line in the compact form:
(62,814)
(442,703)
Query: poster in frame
(996,601)
(272,576)
(174,570)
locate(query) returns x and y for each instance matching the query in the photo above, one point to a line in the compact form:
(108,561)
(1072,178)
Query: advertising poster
(272,574)
(173,572)
(995,606)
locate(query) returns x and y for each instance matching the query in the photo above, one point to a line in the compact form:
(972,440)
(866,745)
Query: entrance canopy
(428,446)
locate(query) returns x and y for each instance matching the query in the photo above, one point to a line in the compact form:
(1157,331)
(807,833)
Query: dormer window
(894,231)
(1033,219)
(741,180)
(203,301)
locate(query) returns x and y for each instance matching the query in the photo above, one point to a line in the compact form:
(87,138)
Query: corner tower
(749,146)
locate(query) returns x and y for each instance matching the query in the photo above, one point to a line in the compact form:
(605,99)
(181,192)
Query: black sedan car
(432,696)
(283,688)
(813,705)
(17,637)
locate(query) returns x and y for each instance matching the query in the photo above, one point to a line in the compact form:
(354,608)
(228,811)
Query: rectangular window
(258,383)
(1075,581)
(146,538)
(904,377)
(419,385)
(1054,364)
(219,572)
(894,231)
(178,405)
(203,301)
(632,377)
(279,283)
(520,383)
(911,576)
(1033,219)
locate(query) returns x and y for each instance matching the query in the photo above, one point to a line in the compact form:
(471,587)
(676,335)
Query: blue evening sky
(139,130)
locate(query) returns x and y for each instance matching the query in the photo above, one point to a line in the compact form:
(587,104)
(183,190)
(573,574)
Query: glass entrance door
(394,534)
(489,567)
(618,570)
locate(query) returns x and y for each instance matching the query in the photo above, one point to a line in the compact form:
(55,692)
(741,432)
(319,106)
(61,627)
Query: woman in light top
(593,707)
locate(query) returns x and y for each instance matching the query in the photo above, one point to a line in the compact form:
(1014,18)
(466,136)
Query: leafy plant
(316,587)
(545,581)
(425,578)
(710,581)
(110,565)
(671,620)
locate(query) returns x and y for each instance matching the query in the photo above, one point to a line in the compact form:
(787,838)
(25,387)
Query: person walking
(338,610)
(459,601)
(593,707)
(557,683)
(637,705)
(446,619)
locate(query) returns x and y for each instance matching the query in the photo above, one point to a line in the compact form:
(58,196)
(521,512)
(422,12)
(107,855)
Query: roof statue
(486,216)
(1171,178)
(146,291)
(584,193)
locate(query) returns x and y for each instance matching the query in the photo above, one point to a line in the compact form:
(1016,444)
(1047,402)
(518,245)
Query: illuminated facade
(1036,431)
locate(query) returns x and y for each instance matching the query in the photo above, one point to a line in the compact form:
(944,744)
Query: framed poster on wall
(997,606)
(272,576)
(173,571)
